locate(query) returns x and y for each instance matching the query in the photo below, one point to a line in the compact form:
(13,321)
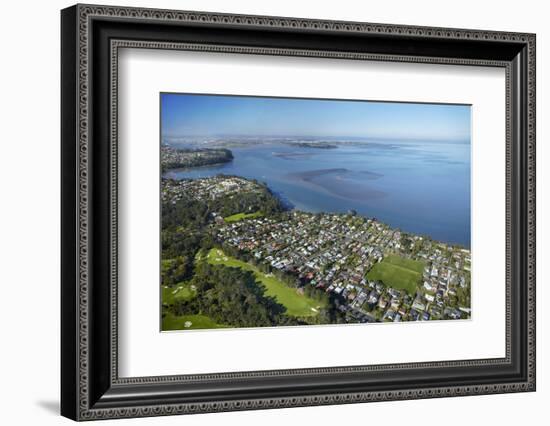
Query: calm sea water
(419,187)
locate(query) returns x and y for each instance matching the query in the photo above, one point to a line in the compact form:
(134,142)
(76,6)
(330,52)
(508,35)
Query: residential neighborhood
(280,211)
(334,253)
(213,188)
(374,273)
(172,158)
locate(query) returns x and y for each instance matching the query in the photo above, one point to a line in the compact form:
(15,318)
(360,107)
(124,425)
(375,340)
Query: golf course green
(296,303)
(187,322)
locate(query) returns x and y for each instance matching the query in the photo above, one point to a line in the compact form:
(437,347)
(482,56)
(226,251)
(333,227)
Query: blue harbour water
(419,187)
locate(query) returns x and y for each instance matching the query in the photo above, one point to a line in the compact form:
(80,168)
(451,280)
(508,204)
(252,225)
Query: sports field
(296,304)
(398,272)
(241,216)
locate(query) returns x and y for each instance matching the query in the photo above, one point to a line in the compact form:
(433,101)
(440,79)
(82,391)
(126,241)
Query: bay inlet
(419,187)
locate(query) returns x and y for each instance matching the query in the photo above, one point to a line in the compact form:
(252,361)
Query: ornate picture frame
(91,37)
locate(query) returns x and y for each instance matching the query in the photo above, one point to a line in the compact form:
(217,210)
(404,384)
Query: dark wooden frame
(90,386)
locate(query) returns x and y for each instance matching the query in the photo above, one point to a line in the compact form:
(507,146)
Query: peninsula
(179,158)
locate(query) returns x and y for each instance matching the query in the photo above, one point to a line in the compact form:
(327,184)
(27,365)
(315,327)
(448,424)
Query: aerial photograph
(306,212)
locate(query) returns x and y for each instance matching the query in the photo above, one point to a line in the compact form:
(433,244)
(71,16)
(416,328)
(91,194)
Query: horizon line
(318,138)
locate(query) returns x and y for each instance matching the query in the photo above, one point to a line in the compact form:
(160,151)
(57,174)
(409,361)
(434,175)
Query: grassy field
(182,291)
(241,216)
(296,304)
(413,265)
(193,322)
(398,272)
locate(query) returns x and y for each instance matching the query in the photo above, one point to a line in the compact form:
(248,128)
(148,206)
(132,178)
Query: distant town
(172,158)
(290,267)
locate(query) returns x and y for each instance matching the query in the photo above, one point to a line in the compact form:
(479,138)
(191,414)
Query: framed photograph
(263,212)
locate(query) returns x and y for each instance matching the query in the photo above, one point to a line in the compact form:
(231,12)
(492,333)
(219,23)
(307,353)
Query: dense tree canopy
(232,296)
(228,296)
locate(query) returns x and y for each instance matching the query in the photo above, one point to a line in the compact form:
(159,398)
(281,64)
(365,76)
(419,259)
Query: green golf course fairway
(197,322)
(296,304)
(181,291)
(398,272)
(241,216)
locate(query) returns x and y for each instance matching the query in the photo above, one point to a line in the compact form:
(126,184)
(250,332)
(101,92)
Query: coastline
(406,198)
(289,207)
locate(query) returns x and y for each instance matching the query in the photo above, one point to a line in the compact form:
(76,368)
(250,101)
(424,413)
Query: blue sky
(184,115)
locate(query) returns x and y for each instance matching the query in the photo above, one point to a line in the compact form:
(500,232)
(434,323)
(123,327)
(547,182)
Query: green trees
(186,213)
(232,296)
(176,270)
(463,296)
(316,294)
(185,225)
(189,212)
(406,243)
(228,296)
